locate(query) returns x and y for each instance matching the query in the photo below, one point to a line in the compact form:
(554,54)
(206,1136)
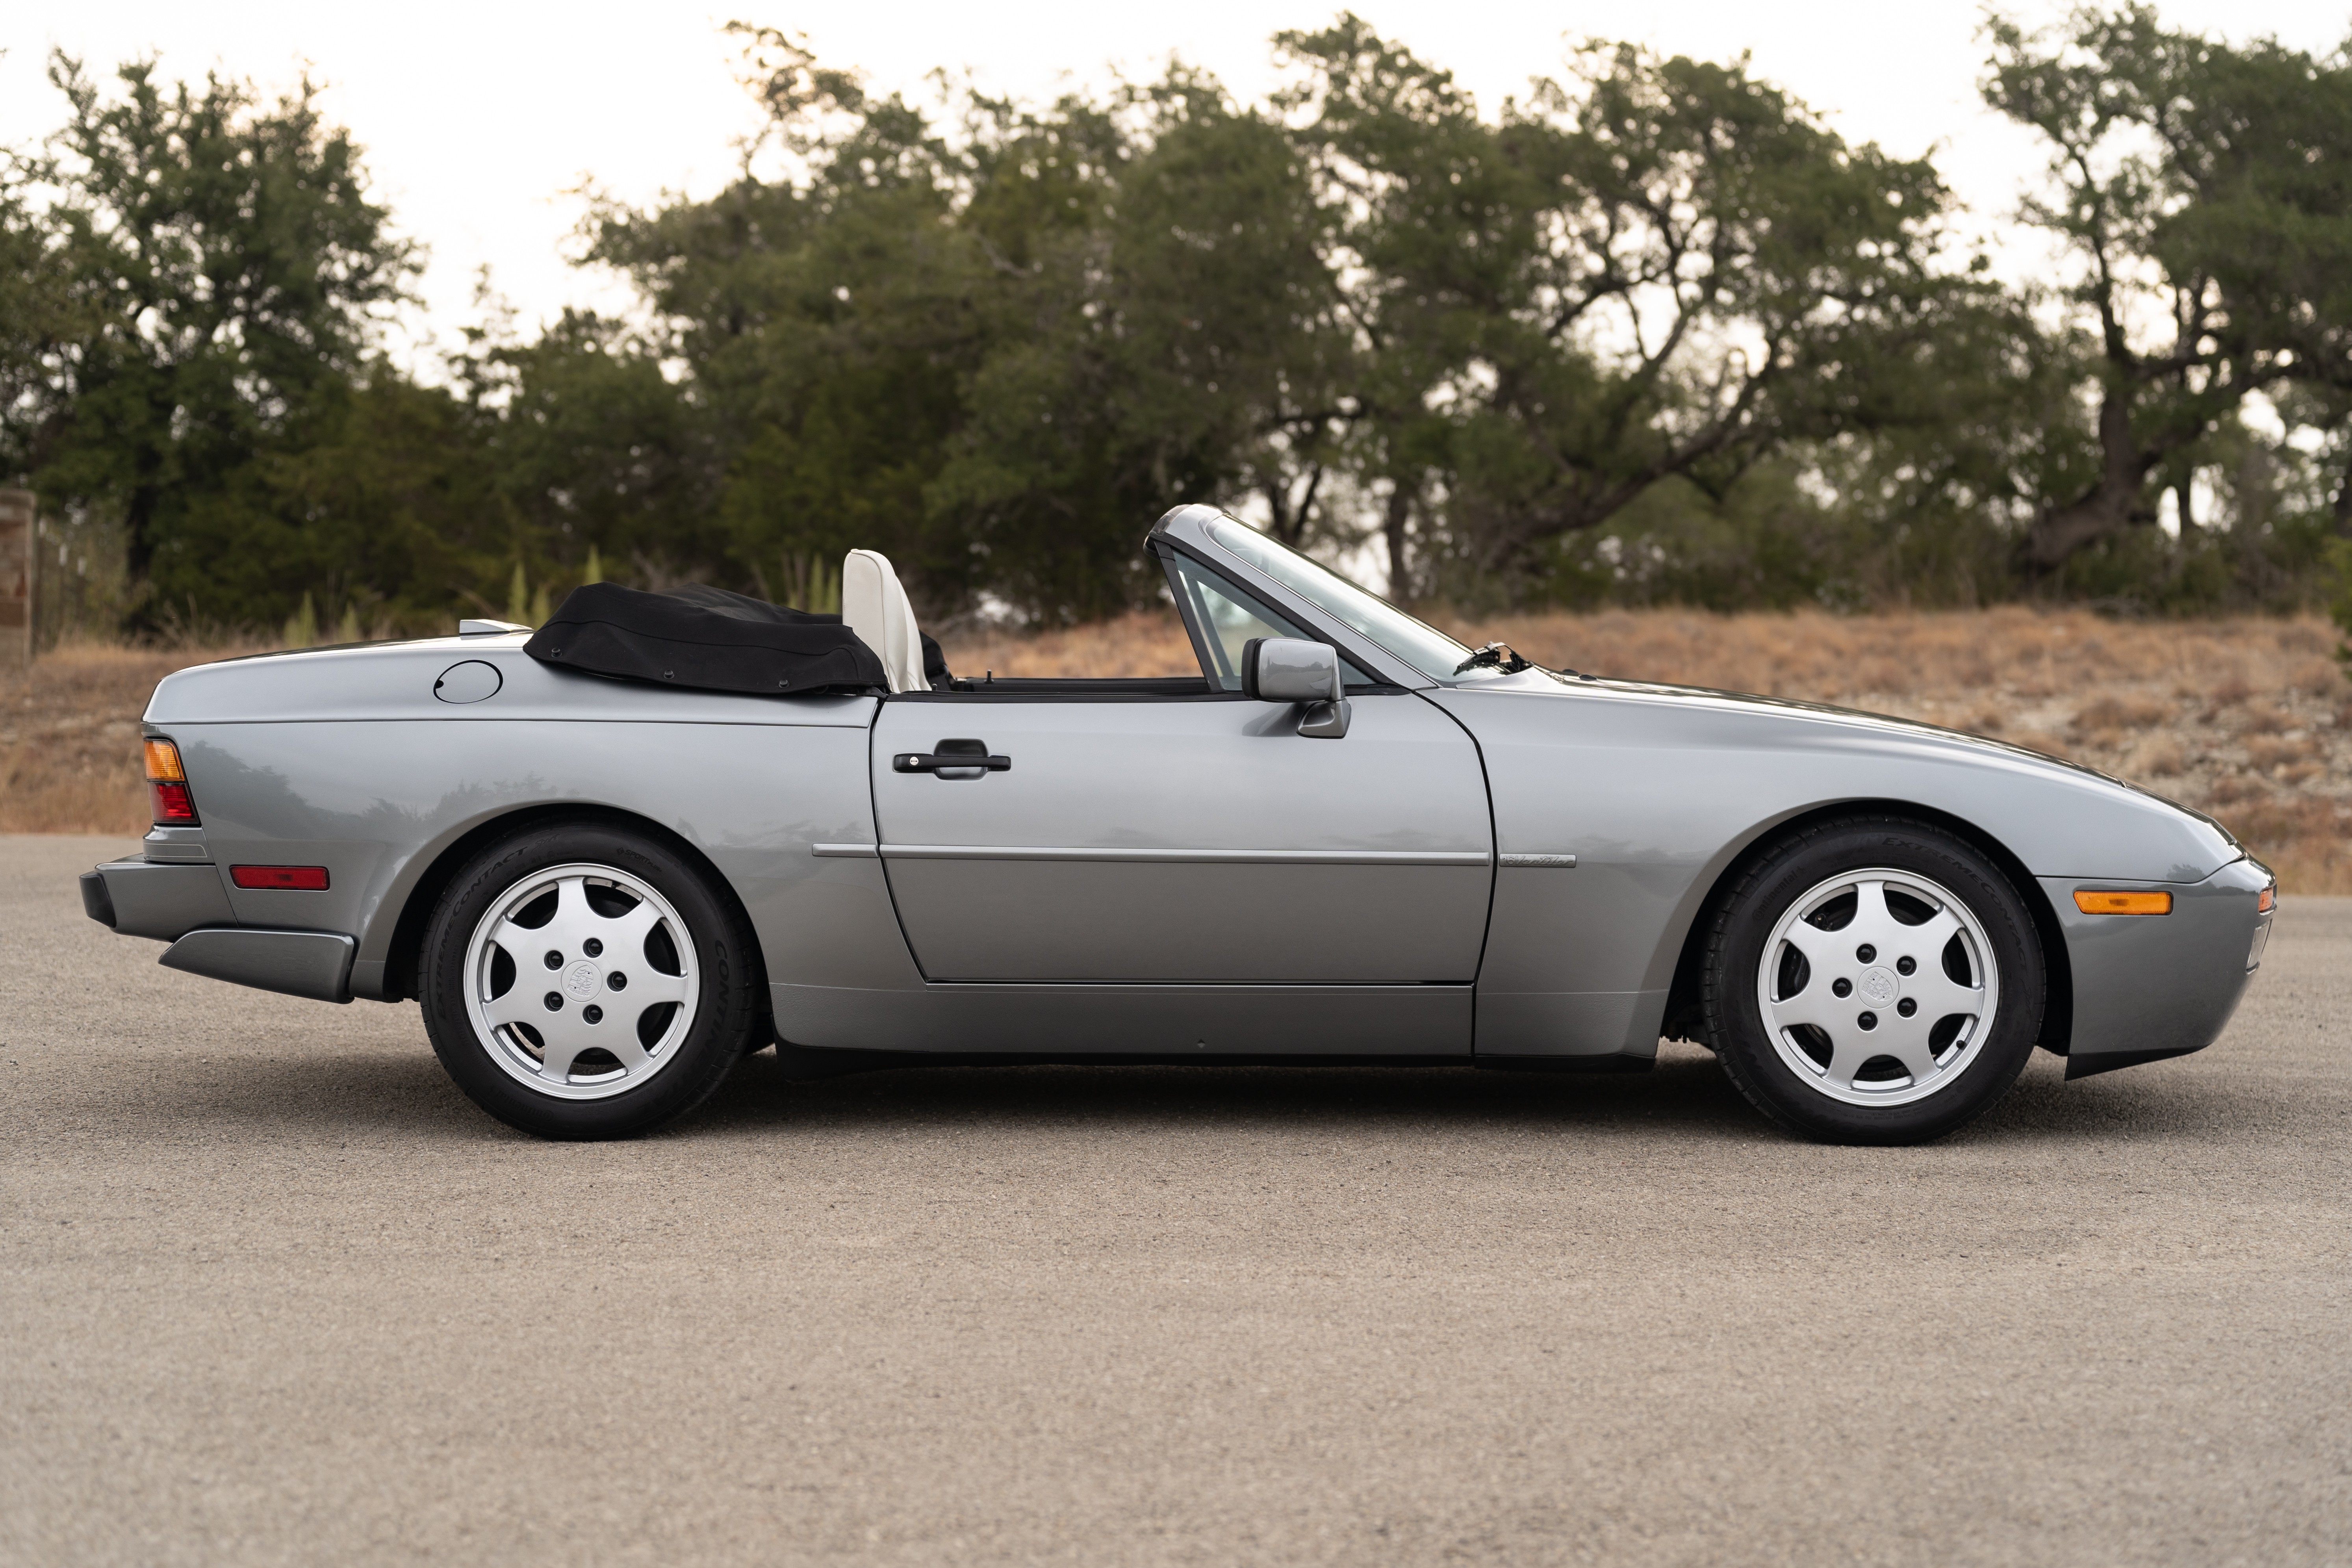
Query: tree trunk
(2344,502)
(139,533)
(1399,509)
(2108,508)
(1289,521)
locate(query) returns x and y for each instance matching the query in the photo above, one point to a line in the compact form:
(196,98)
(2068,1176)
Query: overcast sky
(477,118)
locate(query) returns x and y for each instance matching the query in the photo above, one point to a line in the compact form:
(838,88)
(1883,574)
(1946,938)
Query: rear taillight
(174,807)
(167,785)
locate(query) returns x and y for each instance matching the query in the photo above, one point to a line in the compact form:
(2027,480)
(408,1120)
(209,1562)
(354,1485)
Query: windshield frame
(1192,531)
(1431,654)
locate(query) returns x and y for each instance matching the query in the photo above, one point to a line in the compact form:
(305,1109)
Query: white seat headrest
(876,607)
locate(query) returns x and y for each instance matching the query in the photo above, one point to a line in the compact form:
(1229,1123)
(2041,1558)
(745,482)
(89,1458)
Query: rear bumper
(313,964)
(96,902)
(142,898)
(2151,986)
(186,906)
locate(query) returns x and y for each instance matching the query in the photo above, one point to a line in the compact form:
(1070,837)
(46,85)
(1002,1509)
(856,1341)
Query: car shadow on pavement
(1685,1095)
(406,1095)
(2191,1100)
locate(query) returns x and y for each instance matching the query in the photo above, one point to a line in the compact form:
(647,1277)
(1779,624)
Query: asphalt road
(274,1292)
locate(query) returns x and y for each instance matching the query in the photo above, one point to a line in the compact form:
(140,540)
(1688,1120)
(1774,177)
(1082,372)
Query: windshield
(1422,645)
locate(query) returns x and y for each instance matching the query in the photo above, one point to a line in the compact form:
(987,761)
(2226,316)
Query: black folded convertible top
(707,639)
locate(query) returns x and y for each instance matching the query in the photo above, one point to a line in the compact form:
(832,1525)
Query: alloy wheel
(1878,987)
(581,982)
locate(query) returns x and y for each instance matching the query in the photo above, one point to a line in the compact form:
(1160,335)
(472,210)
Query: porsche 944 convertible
(612,856)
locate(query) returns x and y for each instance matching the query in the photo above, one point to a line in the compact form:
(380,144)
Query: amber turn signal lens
(294,879)
(2124,903)
(2267,900)
(173,805)
(164,762)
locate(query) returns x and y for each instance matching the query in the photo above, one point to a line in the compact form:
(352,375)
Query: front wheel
(1874,981)
(585,981)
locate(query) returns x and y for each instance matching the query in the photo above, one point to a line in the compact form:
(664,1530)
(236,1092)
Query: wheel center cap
(1877,986)
(584,980)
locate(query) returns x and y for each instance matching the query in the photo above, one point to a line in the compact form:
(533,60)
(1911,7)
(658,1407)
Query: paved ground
(273,1292)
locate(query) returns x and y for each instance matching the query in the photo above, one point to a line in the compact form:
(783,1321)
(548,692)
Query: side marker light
(291,878)
(2267,899)
(2124,903)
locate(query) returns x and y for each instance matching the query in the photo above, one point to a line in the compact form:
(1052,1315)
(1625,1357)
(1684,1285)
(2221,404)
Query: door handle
(952,760)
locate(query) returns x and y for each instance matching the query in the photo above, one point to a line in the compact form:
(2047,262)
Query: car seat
(874,606)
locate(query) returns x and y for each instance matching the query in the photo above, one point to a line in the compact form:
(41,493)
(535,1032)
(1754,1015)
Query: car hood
(1541,683)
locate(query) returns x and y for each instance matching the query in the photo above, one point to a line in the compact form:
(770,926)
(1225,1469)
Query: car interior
(1220,618)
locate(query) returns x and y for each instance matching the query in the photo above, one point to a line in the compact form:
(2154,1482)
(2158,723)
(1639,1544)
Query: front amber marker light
(2124,903)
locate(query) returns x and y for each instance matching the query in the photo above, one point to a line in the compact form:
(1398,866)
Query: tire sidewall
(726,1015)
(1801,863)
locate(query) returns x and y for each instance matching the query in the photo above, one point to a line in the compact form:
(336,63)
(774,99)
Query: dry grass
(2250,720)
(1147,642)
(69,737)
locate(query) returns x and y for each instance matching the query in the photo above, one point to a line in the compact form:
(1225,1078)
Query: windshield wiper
(1495,656)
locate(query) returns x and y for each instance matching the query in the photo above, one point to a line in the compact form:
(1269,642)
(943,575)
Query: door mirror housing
(1290,670)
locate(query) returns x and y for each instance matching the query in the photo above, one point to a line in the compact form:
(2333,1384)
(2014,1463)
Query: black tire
(1792,1074)
(722,977)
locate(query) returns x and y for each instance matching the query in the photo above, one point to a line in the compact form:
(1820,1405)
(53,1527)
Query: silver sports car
(1349,839)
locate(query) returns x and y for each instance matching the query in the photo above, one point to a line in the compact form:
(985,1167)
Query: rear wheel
(585,981)
(1873,981)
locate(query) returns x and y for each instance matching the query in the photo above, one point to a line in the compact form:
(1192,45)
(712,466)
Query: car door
(1159,837)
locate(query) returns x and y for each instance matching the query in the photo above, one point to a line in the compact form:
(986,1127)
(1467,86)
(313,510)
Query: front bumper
(2151,986)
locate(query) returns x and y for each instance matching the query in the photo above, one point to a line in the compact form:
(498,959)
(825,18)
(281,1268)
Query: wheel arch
(417,911)
(1682,1014)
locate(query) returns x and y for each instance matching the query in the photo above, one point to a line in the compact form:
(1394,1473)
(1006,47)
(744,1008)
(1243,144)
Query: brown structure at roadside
(17,562)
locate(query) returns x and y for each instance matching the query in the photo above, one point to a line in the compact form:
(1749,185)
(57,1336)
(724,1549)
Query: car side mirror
(1292,669)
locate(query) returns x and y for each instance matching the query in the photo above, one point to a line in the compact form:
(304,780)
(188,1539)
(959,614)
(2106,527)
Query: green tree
(1660,269)
(2205,194)
(382,500)
(995,340)
(826,326)
(591,451)
(220,269)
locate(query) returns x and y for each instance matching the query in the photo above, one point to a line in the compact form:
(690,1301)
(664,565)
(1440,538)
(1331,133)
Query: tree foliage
(218,270)
(2205,192)
(1652,331)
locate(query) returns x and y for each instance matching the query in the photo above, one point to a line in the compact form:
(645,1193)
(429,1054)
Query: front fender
(1655,792)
